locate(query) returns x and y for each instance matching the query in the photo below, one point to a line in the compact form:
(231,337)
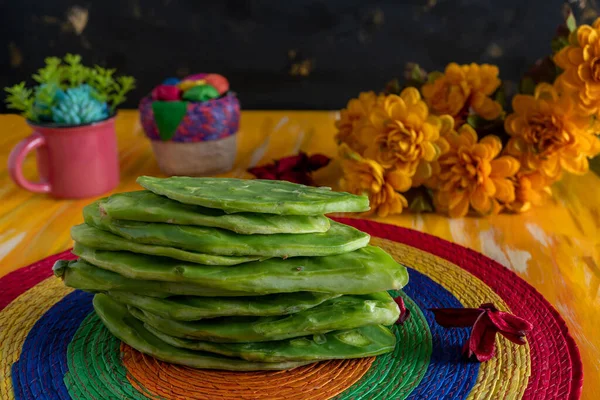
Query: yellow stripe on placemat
(507,374)
(16,321)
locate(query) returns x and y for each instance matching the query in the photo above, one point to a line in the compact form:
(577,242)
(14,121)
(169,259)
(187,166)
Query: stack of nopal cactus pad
(235,274)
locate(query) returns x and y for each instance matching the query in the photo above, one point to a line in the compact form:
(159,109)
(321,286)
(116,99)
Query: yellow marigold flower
(427,172)
(462,87)
(356,110)
(366,177)
(580,61)
(473,175)
(402,135)
(531,188)
(549,134)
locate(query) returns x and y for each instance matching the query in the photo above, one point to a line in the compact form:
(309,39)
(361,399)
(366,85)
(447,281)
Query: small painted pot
(191,138)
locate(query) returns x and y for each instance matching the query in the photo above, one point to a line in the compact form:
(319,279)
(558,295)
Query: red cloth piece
(404,312)
(486,320)
(294,169)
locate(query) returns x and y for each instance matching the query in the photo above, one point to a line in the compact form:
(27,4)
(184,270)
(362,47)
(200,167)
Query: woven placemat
(53,346)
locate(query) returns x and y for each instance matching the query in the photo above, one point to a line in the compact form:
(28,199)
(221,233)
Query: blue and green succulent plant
(78,105)
(70,93)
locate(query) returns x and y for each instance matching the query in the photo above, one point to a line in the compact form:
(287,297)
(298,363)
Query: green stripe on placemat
(395,375)
(95,368)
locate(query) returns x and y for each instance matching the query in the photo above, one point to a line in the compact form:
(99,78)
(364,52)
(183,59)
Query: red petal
(263,172)
(290,163)
(268,175)
(456,317)
(261,169)
(404,312)
(317,161)
(518,339)
(488,307)
(511,324)
(482,341)
(486,347)
(296,177)
(486,322)
(466,351)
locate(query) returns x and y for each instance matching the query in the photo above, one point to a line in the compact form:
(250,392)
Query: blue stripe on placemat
(43,363)
(449,376)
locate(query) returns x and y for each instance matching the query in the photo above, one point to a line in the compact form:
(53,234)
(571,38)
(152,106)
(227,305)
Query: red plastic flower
(486,322)
(404,312)
(295,169)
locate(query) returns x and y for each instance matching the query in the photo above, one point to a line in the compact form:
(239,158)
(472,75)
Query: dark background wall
(342,46)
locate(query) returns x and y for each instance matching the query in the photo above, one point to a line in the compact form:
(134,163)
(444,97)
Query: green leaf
(558,43)
(74,72)
(101,79)
(45,99)
(73,59)
(474,120)
(20,98)
(417,74)
(527,86)
(123,85)
(51,73)
(421,204)
(393,87)
(500,96)
(570,19)
(433,76)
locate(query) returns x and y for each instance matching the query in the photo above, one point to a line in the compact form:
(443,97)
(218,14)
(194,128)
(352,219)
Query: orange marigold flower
(356,110)
(401,135)
(473,175)
(580,61)
(366,177)
(464,87)
(427,172)
(531,188)
(549,134)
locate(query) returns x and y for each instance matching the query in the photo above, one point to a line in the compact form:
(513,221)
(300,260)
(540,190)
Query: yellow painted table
(555,248)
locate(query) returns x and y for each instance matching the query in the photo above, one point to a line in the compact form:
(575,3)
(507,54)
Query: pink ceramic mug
(73,162)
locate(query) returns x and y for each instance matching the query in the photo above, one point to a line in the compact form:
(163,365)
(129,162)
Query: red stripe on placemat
(489,271)
(21,280)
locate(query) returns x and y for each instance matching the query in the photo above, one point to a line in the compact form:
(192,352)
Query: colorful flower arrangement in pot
(71,110)
(192,124)
(448,141)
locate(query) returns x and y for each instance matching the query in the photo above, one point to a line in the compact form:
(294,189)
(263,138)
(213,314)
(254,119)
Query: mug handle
(15,163)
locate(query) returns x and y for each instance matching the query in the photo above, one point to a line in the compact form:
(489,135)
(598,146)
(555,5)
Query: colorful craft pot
(73,161)
(192,138)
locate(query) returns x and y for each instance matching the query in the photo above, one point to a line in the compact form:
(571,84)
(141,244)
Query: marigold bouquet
(448,140)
